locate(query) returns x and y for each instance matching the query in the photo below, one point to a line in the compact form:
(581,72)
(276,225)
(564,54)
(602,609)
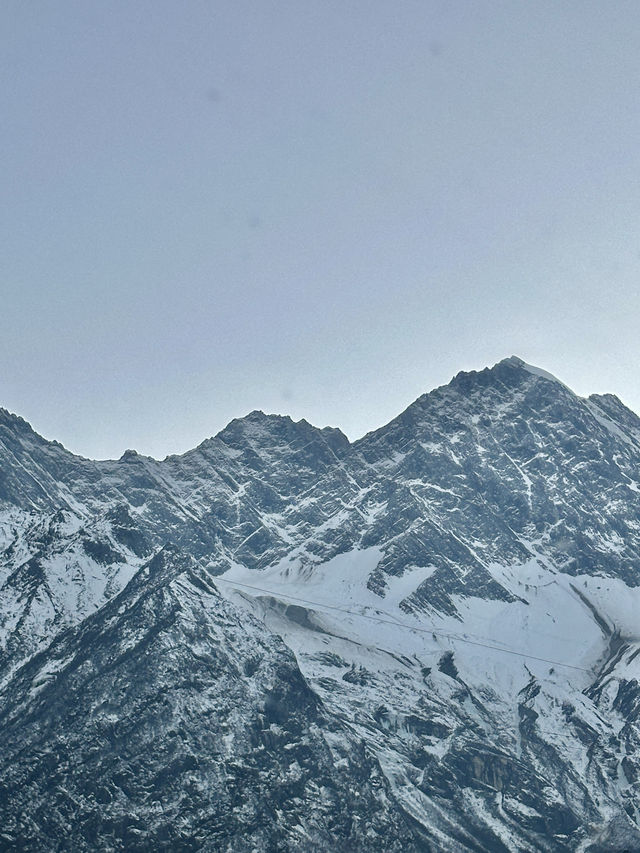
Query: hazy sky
(315,207)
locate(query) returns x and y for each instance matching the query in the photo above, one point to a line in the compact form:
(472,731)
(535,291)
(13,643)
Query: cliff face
(425,640)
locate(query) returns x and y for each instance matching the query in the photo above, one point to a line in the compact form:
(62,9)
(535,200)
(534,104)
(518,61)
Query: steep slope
(460,589)
(168,720)
(72,531)
(500,528)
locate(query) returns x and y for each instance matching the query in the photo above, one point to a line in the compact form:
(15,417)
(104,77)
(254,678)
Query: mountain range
(425,640)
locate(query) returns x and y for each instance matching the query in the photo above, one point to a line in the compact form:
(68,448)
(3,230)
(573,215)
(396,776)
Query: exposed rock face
(458,594)
(170,720)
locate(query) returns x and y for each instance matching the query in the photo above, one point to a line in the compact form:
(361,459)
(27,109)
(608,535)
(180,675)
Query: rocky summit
(426,640)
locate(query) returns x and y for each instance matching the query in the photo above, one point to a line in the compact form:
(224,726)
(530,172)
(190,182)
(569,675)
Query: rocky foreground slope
(425,640)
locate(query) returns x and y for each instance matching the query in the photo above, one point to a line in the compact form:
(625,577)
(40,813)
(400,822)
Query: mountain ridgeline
(425,640)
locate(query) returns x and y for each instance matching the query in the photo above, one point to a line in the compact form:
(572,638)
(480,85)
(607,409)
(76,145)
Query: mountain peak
(266,434)
(16,423)
(512,372)
(516,361)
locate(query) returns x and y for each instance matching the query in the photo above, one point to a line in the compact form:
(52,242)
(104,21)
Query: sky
(321,209)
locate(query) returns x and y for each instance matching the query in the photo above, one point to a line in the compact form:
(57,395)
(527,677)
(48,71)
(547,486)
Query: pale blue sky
(316,208)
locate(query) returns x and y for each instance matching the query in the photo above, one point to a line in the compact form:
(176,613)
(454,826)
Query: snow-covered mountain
(425,640)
